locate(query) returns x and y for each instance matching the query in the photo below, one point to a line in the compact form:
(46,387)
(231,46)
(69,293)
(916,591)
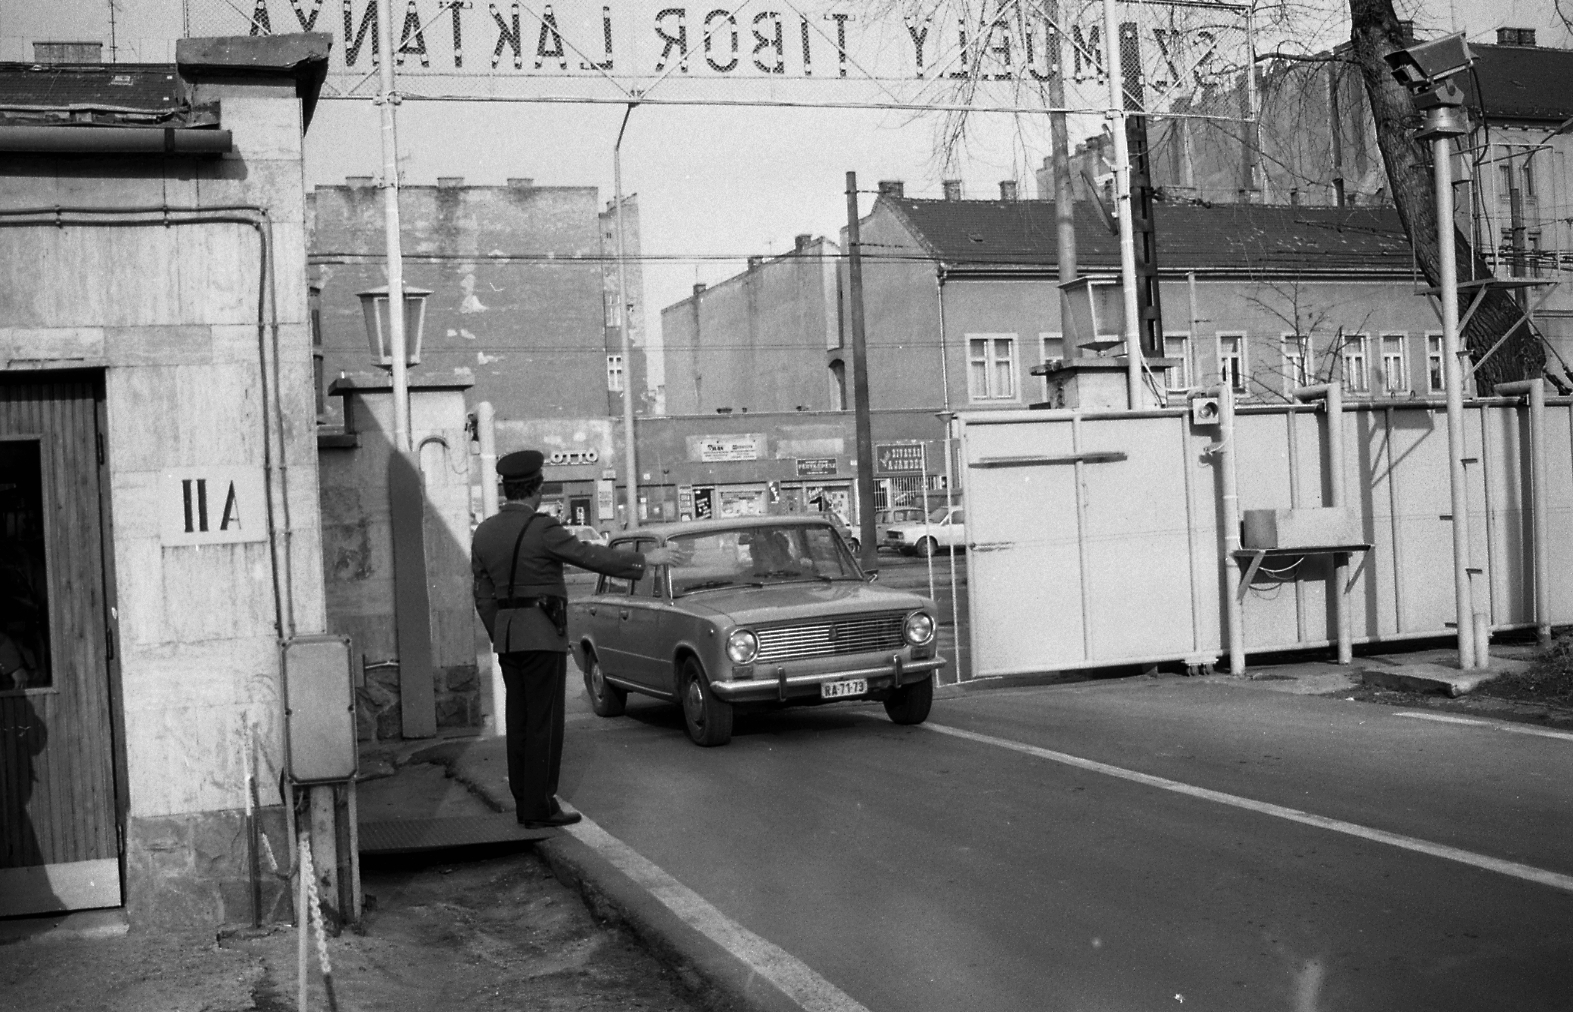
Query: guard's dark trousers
(535,681)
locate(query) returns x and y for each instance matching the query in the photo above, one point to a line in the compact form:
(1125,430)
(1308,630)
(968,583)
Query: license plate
(850,687)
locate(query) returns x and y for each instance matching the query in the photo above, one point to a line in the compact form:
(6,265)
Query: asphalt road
(917,870)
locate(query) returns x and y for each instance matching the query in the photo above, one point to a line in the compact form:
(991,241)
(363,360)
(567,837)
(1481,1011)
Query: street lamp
(374,306)
(1427,71)
(1096,314)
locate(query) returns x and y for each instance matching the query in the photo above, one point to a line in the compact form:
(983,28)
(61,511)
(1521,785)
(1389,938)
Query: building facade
(159,530)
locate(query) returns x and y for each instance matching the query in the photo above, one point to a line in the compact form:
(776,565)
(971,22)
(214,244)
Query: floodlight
(1422,66)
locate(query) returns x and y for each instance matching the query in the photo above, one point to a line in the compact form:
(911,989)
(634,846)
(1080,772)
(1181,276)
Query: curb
(720,981)
(716,978)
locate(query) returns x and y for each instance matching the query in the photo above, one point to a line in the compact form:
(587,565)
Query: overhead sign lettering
(899,458)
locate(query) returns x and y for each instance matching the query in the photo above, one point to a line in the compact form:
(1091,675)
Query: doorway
(59,816)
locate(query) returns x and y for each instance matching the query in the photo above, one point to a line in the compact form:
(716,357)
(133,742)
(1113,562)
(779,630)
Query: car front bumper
(786,681)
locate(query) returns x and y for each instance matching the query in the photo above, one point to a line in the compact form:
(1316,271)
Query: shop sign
(720,449)
(898,458)
(561,458)
(213,506)
(704,503)
(605,501)
(815,467)
(685,502)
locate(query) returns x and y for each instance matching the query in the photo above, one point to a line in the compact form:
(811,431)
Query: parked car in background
(586,533)
(946,529)
(884,519)
(758,612)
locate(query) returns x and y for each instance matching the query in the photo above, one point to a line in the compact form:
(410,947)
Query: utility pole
(1064,196)
(630,457)
(1122,201)
(388,99)
(868,550)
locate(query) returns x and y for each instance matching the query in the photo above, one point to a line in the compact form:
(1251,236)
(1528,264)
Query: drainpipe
(1333,394)
(1223,451)
(486,430)
(1539,464)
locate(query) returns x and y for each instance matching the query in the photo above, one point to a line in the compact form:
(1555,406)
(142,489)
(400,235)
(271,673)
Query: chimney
(892,188)
(1007,189)
(1406,31)
(1294,196)
(754,262)
(803,241)
(520,183)
(450,182)
(699,287)
(1515,36)
(359,182)
(952,188)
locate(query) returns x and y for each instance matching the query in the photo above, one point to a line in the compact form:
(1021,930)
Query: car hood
(788,601)
(918,526)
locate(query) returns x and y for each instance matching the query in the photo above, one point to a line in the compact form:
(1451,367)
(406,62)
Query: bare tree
(1375,32)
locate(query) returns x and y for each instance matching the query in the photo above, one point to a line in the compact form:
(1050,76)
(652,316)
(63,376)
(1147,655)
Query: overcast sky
(712,182)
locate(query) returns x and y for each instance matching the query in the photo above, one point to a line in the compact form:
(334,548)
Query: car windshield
(756,556)
(939,514)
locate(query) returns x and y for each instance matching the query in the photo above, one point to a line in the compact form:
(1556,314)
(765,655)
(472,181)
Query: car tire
(857,545)
(910,704)
(928,547)
(606,699)
(707,719)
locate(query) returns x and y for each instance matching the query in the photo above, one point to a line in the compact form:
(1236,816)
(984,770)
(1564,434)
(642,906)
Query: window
(614,317)
(1357,374)
(1395,371)
(1178,345)
(1436,380)
(1231,361)
(991,367)
(614,373)
(1297,359)
(1052,350)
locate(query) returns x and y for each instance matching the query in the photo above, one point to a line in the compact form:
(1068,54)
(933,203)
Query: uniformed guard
(517,557)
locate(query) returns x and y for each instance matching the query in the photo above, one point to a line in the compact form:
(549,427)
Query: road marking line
(1540,732)
(789,974)
(1526,872)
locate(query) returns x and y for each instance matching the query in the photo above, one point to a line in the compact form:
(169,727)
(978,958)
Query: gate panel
(1032,544)
(58,840)
(1137,536)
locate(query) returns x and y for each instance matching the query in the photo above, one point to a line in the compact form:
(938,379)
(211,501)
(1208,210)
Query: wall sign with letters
(213,506)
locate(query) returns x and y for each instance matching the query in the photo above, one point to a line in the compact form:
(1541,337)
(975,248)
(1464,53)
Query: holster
(556,609)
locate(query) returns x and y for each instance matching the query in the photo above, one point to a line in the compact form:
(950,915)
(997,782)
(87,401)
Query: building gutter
(101,140)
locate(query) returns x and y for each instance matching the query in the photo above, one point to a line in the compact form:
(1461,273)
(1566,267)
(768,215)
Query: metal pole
(1122,200)
(1452,368)
(1253,126)
(630,457)
(1333,396)
(1231,528)
(950,491)
(388,99)
(486,430)
(865,436)
(1538,463)
(1064,196)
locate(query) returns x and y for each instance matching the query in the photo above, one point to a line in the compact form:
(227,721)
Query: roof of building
(1009,236)
(1522,82)
(157,94)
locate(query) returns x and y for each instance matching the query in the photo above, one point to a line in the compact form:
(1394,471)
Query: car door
(669,623)
(956,529)
(607,608)
(639,618)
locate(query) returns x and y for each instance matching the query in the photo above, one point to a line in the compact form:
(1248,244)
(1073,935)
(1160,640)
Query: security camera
(1204,411)
(1421,67)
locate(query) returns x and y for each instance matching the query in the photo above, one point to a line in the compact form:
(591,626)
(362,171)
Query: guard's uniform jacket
(513,613)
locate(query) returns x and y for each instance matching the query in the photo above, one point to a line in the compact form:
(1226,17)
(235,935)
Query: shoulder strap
(513,570)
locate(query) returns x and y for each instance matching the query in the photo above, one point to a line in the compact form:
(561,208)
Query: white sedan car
(946,528)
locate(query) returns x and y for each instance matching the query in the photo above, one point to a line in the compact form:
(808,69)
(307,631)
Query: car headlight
(919,628)
(742,646)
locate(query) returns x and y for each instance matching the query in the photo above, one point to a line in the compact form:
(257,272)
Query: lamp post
(1426,70)
(388,99)
(630,457)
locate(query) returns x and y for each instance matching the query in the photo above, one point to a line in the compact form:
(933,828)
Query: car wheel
(606,699)
(910,704)
(857,545)
(708,719)
(927,547)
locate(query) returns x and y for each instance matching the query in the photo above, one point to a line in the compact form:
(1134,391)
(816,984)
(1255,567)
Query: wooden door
(59,839)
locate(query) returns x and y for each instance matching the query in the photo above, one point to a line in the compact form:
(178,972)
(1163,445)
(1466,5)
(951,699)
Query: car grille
(854,634)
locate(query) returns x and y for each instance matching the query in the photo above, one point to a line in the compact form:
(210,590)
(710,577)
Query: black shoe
(555,820)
